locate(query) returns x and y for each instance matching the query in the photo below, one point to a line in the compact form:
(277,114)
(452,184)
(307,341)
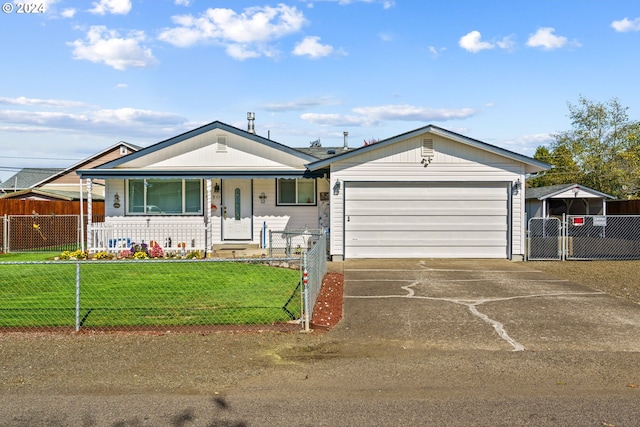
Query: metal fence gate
(584,237)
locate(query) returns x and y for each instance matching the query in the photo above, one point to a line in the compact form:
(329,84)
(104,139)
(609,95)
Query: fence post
(305,291)
(564,232)
(77,296)
(5,234)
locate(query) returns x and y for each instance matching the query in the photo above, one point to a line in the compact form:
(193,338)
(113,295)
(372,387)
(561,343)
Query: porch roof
(195,173)
(564,191)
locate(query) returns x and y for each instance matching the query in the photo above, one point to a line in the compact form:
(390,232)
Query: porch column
(544,208)
(89,215)
(208,237)
(604,206)
(82,243)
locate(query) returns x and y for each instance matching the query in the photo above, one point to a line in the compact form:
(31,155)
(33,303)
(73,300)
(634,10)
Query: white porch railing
(171,236)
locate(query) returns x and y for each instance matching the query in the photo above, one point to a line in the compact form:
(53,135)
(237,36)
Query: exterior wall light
(517,186)
(336,188)
(263,197)
(116,201)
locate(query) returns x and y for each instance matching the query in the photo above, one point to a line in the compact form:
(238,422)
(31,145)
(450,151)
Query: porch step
(235,250)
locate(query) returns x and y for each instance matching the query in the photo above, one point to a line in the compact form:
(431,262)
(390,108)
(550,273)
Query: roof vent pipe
(251,117)
(346,140)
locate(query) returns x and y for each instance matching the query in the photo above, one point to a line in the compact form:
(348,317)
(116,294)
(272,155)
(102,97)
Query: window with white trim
(172,196)
(296,191)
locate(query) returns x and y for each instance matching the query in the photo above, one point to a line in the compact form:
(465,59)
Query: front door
(236,209)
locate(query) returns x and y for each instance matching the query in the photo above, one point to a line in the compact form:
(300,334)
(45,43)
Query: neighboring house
(63,184)
(26,178)
(569,199)
(426,193)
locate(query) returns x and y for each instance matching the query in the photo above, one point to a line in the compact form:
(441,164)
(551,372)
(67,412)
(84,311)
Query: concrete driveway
(480,305)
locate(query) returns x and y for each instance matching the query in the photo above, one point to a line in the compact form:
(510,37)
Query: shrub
(77,254)
(103,255)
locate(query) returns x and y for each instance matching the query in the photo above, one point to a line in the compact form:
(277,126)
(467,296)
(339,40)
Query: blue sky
(79,76)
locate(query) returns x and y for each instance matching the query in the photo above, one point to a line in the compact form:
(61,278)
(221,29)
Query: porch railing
(171,236)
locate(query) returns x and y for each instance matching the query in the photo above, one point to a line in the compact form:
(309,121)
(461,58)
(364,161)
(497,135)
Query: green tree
(601,151)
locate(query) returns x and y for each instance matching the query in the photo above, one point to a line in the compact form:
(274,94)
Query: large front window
(300,191)
(164,196)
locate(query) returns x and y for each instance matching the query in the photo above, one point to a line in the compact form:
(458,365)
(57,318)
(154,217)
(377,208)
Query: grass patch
(28,256)
(147,293)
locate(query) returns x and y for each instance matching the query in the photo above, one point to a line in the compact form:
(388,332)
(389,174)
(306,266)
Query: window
(298,191)
(164,196)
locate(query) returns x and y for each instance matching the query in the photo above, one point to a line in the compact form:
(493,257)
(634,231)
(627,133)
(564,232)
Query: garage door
(431,220)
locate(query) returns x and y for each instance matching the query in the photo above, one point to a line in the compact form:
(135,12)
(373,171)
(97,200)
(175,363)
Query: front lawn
(146,293)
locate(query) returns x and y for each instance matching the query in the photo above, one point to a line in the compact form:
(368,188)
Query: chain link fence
(178,294)
(43,233)
(545,239)
(148,294)
(584,237)
(289,243)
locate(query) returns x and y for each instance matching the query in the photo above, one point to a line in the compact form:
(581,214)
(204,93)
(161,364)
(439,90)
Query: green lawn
(147,293)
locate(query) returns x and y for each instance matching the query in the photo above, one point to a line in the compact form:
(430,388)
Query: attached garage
(428,193)
(433,220)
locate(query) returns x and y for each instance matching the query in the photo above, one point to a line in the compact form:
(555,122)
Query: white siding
(202,151)
(401,162)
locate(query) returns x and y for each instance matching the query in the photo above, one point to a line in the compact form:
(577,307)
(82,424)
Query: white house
(426,193)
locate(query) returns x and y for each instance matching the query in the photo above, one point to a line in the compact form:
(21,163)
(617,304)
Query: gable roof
(110,169)
(50,194)
(88,160)
(28,178)
(550,191)
(536,165)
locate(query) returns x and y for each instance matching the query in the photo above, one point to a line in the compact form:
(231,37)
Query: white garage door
(430,220)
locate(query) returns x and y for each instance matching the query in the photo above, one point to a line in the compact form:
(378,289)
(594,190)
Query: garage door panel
(379,222)
(466,220)
(429,252)
(426,211)
(426,238)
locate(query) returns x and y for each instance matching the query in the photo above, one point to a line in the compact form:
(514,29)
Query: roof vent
(346,140)
(315,143)
(331,151)
(251,117)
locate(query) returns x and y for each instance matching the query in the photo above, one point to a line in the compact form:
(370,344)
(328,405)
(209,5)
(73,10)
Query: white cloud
(115,7)
(106,46)
(311,46)
(413,113)
(386,36)
(57,103)
(386,4)
(91,120)
(473,43)
(626,25)
(371,116)
(68,13)
(526,144)
(245,35)
(545,39)
(183,2)
(302,104)
(507,43)
(435,52)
